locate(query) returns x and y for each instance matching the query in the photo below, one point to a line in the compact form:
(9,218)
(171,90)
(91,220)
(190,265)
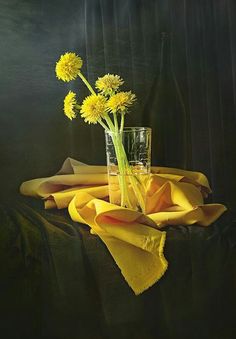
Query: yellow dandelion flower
(93,108)
(109,83)
(68,67)
(69,105)
(120,102)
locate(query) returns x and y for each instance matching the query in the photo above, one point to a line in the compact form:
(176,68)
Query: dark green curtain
(120,37)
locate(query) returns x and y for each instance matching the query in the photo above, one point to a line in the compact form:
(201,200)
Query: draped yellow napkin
(134,240)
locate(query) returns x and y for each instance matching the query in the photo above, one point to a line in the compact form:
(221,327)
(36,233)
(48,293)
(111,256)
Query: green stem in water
(125,172)
(122,180)
(135,182)
(124,190)
(85,81)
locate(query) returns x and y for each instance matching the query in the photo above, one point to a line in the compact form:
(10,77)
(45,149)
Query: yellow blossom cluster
(69,105)
(109,84)
(68,67)
(95,107)
(120,102)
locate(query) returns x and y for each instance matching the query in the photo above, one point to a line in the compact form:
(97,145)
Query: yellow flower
(109,83)
(120,102)
(68,67)
(93,108)
(69,105)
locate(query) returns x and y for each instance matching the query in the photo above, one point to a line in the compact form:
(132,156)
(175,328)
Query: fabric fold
(131,238)
(135,241)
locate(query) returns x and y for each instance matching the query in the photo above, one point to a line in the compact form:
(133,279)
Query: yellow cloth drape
(134,240)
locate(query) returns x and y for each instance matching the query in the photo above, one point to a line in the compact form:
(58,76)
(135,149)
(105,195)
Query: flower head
(109,83)
(93,108)
(69,105)
(68,67)
(120,102)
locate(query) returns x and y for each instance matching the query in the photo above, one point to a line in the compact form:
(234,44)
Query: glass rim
(128,129)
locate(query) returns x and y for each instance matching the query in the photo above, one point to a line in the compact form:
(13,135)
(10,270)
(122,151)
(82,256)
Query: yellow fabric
(134,240)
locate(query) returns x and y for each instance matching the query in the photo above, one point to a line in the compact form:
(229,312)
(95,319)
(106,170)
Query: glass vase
(128,163)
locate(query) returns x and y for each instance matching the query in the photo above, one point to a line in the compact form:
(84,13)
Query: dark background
(120,37)
(57,280)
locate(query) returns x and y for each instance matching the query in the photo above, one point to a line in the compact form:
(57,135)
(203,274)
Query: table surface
(59,281)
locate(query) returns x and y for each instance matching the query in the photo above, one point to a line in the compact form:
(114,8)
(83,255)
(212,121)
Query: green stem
(122,122)
(125,171)
(121,177)
(115,121)
(86,83)
(125,201)
(103,125)
(109,123)
(135,182)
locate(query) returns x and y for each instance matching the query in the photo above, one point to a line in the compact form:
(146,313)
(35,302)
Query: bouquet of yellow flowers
(106,106)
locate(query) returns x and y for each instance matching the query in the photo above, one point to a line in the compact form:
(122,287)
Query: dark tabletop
(59,281)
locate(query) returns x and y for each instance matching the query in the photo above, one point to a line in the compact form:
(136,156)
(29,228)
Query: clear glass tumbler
(128,164)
